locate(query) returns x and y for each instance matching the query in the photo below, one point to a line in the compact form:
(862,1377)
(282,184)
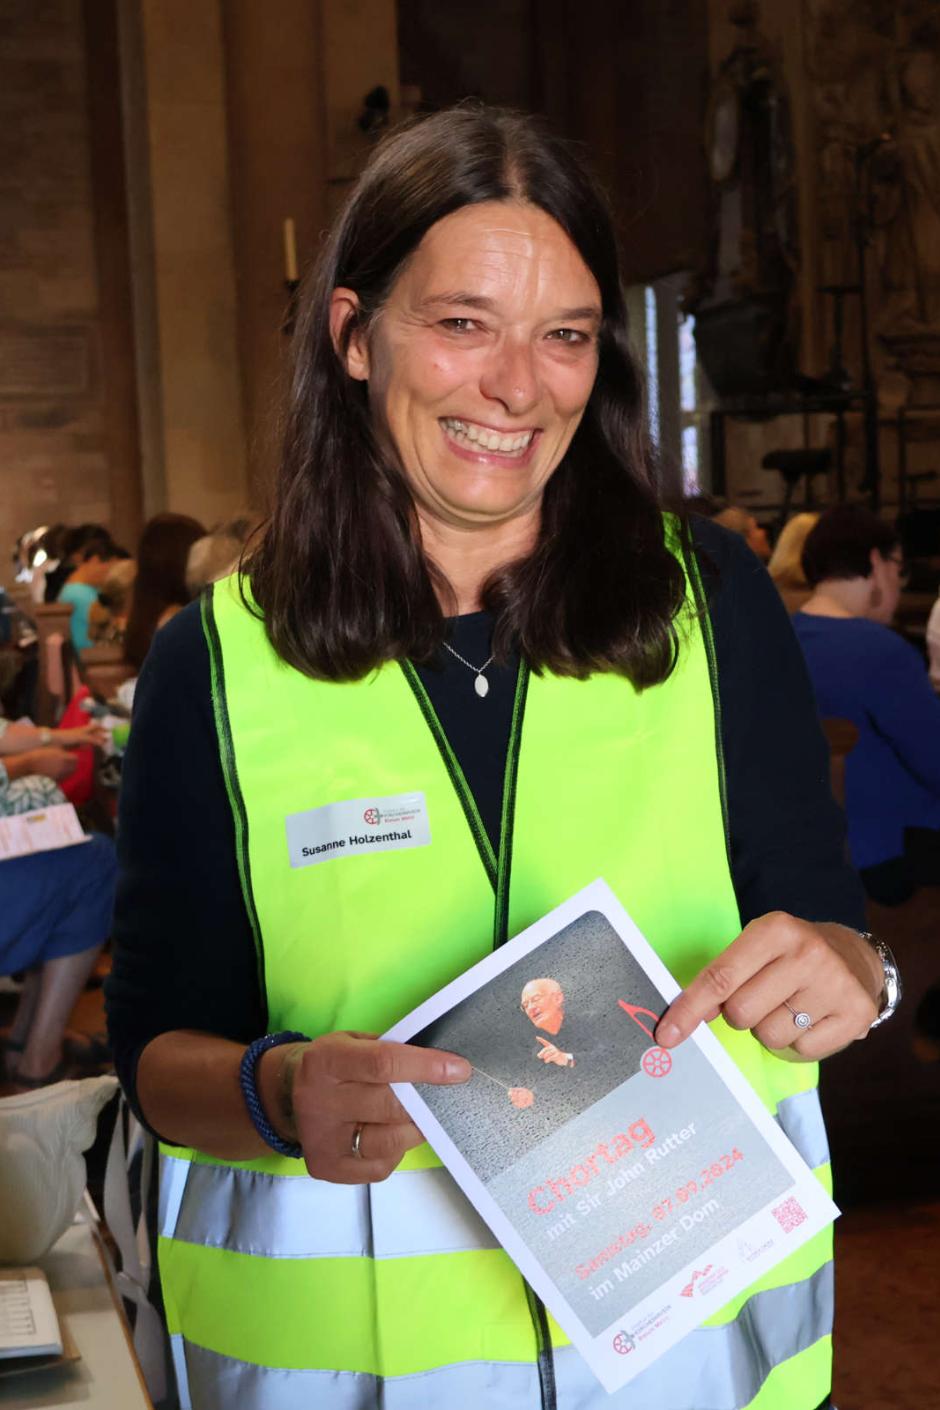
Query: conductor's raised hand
(549,1052)
(339,1083)
(779,967)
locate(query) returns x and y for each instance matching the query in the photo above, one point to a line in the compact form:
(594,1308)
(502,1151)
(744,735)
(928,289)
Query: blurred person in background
(786,562)
(34,761)
(81,587)
(933,645)
(160,586)
(741,521)
(63,547)
(218,553)
(37,553)
(55,909)
(864,672)
(114,600)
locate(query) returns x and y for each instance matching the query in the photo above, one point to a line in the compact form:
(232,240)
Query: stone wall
(54,461)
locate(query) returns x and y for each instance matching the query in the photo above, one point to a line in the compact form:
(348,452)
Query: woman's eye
(458,325)
(569,335)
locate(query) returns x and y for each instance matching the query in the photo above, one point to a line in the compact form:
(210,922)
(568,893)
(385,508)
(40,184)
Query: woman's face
(482,361)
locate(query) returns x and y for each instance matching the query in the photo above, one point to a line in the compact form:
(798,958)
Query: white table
(107,1377)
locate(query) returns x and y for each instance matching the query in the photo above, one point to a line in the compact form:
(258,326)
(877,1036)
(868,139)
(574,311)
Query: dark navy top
(864,672)
(183,948)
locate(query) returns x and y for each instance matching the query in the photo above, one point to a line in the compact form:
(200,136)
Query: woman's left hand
(778,967)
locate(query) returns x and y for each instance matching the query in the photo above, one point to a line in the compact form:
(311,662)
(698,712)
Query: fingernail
(456,1069)
(667,1033)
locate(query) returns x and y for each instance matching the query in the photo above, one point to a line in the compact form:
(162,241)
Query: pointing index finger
(702,999)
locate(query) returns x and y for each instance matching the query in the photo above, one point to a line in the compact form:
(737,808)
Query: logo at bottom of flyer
(625,1340)
(703,1280)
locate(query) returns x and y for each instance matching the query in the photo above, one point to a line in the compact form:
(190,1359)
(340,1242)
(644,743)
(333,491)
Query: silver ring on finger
(800,1017)
(357,1142)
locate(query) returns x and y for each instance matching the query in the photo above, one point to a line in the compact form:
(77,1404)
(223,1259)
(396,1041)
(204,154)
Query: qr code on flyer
(789,1215)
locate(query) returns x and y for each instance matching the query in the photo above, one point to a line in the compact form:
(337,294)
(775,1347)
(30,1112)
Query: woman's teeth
(467,433)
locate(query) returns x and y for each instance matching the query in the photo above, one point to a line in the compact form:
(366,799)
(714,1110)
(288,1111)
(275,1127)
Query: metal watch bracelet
(892,987)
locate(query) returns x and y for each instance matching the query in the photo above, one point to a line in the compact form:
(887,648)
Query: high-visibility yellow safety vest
(284,1292)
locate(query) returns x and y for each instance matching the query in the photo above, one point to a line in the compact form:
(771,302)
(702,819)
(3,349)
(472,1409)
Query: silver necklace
(481,685)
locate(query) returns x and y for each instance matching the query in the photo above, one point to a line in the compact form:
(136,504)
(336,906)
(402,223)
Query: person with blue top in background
(864,672)
(82,586)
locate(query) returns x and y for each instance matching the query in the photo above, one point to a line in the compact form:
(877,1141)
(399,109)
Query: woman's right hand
(94,733)
(52,762)
(339,1083)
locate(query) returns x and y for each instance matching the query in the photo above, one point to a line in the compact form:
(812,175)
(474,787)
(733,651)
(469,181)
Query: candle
(290,252)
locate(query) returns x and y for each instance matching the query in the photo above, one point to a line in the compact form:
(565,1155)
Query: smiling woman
(470,667)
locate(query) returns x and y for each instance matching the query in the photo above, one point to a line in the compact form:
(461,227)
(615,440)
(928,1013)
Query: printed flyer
(43,830)
(637,1189)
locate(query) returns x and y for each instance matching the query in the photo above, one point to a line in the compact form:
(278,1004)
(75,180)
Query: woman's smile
(486,444)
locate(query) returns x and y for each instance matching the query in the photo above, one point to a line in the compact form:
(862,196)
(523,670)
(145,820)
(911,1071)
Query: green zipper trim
(499,877)
(544,1358)
(462,788)
(508,817)
(698,591)
(230,774)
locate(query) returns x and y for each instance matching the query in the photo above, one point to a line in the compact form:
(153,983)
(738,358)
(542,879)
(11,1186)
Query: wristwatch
(891,993)
(44,737)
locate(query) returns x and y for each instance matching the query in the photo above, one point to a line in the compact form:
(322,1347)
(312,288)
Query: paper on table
(28,1324)
(638,1190)
(42,830)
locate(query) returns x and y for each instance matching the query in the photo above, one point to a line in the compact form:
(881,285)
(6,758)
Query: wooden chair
(57,675)
(842,737)
(103,668)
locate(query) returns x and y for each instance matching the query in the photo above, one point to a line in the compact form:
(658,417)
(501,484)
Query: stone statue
(910,212)
(876,71)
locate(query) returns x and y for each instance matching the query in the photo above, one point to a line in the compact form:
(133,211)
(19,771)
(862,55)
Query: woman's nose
(510,377)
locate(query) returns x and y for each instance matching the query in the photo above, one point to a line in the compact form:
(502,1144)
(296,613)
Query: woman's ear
(350,342)
(875,578)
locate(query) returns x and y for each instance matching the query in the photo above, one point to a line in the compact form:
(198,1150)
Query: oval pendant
(482,686)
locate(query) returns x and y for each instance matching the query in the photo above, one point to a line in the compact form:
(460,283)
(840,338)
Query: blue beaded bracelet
(246,1078)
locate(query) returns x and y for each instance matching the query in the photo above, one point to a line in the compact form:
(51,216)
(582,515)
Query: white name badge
(359,825)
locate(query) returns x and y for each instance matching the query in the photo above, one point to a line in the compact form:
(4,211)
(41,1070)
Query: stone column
(276,128)
(193,386)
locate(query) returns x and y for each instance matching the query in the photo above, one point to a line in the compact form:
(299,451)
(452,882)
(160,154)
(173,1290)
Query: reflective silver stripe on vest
(722,1368)
(283,1216)
(178,1352)
(801,1118)
(413,1212)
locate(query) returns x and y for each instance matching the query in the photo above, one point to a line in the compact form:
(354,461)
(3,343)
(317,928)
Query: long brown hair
(340,576)
(161,578)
